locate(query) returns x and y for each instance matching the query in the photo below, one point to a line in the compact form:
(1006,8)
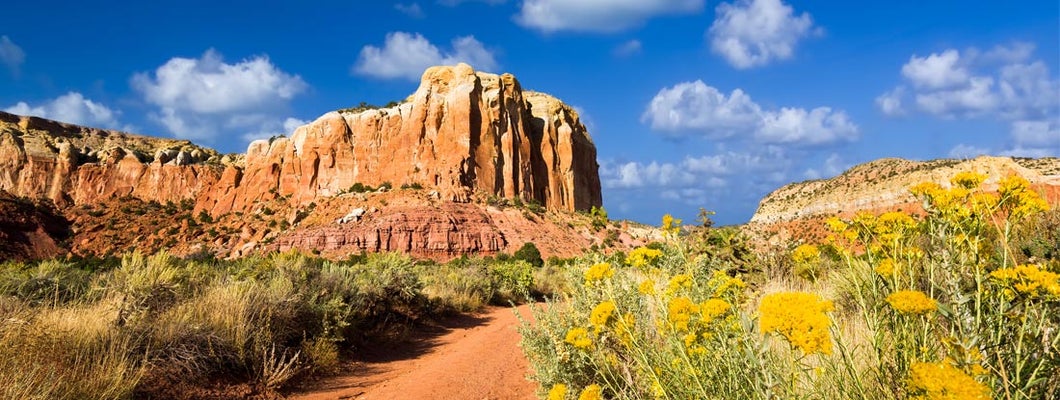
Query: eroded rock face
(461,132)
(71,164)
(462,135)
(439,232)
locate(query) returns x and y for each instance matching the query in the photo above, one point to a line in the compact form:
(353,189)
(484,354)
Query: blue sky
(691,103)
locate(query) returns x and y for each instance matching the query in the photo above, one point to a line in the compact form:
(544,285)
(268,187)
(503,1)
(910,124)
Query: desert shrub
(48,282)
(529,253)
(513,280)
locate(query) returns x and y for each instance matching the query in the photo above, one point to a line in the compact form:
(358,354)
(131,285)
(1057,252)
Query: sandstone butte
(463,134)
(798,210)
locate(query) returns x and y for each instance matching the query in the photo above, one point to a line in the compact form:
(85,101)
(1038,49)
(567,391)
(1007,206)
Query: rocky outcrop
(462,136)
(68,164)
(461,132)
(441,232)
(30,230)
(884,185)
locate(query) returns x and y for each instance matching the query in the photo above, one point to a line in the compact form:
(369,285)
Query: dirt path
(468,357)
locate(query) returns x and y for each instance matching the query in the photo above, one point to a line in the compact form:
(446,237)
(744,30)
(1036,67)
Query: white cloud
(967,151)
(71,108)
(600,16)
(206,97)
(413,10)
(705,171)
(974,98)
(1002,83)
(891,102)
(407,55)
(819,126)
(833,166)
(628,48)
(936,70)
(752,33)
(697,107)
(10,54)
(275,128)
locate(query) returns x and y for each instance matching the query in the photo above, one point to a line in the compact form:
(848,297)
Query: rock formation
(462,135)
(461,132)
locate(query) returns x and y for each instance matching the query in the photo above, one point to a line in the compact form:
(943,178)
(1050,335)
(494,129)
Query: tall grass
(157,322)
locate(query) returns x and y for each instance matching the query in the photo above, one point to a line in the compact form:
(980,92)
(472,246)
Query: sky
(691,103)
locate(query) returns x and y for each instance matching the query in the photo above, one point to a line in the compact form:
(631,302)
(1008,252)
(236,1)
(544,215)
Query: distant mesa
(883,185)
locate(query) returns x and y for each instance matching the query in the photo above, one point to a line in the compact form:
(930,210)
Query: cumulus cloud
(832,166)
(274,128)
(891,102)
(10,54)
(407,55)
(936,70)
(1003,83)
(596,15)
(753,33)
(206,97)
(72,108)
(700,181)
(699,108)
(413,10)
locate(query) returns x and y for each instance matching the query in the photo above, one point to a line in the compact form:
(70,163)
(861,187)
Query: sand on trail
(468,357)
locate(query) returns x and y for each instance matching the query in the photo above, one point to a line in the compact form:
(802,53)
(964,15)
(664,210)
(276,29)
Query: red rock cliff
(462,131)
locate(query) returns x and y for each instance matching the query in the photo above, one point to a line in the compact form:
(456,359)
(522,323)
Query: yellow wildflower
(836,225)
(806,254)
(671,225)
(1029,280)
(642,257)
(679,313)
(558,392)
(886,267)
(678,282)
(601,314)
(968,179)
(912,302)
(942,381)
(714,308)
(598,272)
(800,318)
(725,285)
(1018,198)
(624,329)
(579,338)
(647,287)
(592,392)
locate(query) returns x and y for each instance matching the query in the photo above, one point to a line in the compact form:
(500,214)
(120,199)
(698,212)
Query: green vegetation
(962,302)
(115,329)
(364,106)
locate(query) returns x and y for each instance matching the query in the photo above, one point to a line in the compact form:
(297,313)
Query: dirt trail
(468,357)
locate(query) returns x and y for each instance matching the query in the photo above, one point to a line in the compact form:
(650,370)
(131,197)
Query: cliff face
(68,164)
(461,132)
(462,135)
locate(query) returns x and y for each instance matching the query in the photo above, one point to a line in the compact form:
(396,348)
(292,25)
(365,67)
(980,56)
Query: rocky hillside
(883,185)
(462,137)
